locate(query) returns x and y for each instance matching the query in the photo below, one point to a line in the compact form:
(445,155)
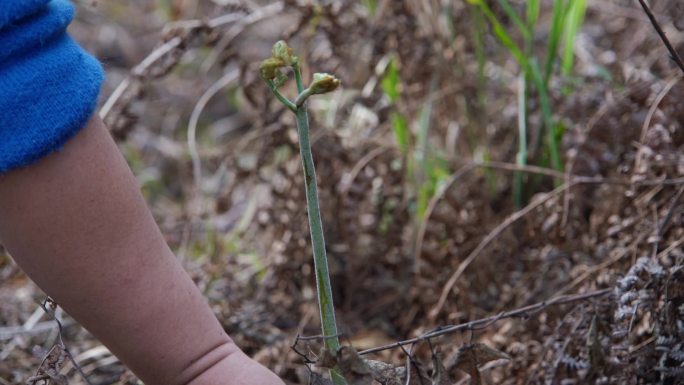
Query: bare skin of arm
(77,224)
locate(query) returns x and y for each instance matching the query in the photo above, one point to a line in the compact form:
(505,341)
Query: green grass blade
(402,135)
(521,156)
(391,82)
(371,6)
(423,158)
(517,21)
(555,34)
(478,43)
(532,14)
(547,116)
(500,33)
(573,23)
(391,85)
(525,84)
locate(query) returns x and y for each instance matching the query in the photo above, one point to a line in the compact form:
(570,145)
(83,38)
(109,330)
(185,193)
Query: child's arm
(76,222)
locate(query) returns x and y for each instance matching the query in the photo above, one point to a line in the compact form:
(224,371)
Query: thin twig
(191,25)
(306,358)
(274,8)
(617,257)
(561,354)
(446,185)
(670,211)
(408,363)
(10,332)
(654,107)
(574,180)
(137,72)
(520,312)
(506,166)
(217,86)
(649,116)
(348,178)
(441,190)
(606,106)
(571,181)
(317,337)
(52,313)
(486,241)
(672,246)
(663,37)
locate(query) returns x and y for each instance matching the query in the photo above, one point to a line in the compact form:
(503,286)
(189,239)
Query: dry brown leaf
(326,359)
(386,374)
(440,376)
(50,368)
(470,357)
(317,379)
(353,367)
(596,356)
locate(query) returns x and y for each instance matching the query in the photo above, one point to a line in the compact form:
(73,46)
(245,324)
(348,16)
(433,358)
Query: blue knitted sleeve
(48,84)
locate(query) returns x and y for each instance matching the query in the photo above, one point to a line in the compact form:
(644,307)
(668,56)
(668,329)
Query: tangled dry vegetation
(231,202)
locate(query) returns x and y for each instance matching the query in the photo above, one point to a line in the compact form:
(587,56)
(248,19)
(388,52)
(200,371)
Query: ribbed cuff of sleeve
(48,84)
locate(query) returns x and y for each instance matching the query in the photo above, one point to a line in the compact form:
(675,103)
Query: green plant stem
(512,14)
(555,35)
(316,226)
(324,289)
(575,18)
(301,98)
(521,156)
(552,139)
(524,87)
(282,98)
(298,77)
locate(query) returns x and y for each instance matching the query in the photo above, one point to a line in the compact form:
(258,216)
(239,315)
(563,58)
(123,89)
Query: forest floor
(421,235)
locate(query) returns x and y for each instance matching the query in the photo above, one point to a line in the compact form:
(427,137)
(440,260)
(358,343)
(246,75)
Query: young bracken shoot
(271,71)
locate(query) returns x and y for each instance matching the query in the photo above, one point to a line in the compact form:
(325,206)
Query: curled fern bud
(269,69)
(279,80)
(283,52)
(323,83)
